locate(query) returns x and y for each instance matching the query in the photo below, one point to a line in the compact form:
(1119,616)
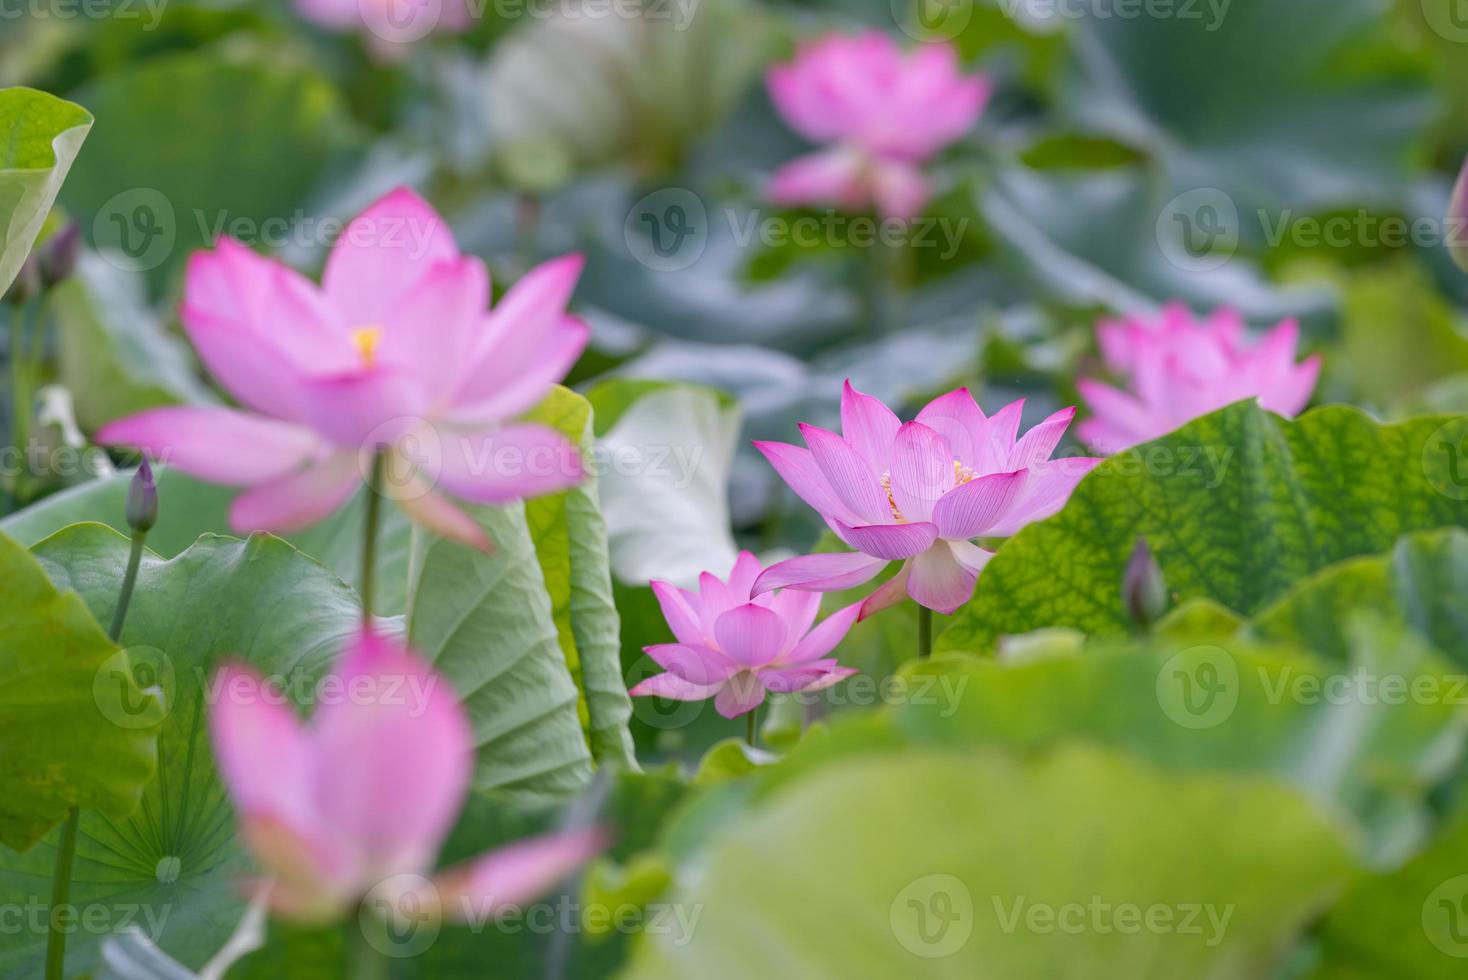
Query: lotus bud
(59,255)
(142,499)
(1143,591)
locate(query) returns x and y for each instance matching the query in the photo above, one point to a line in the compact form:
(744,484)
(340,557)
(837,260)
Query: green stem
(129,580)
(60,893)
(367,962)
(66,846)
(751,727)
(886,272)
(369,535)
(925,632)
(527,228)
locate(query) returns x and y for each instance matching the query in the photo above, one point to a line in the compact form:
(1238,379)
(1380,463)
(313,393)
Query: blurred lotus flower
(918,492)
(396,352)
(1457,220)
(367,791)
(884,112)
(734,646)
(389,27)
(1179,368)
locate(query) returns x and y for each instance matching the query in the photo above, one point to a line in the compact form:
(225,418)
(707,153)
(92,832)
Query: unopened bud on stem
(1143,590)
(59,255)
(142,499)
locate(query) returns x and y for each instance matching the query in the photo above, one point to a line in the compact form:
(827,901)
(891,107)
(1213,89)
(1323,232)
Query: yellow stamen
(891,500)
(366,340)
(961,474)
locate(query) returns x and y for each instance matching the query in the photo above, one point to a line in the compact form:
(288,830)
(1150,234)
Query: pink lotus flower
(734,646)
(367,791)
(395,352)
(1179,368)
(883,111)
(919,492)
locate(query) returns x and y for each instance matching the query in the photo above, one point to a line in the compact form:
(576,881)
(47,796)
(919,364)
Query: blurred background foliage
(542,132)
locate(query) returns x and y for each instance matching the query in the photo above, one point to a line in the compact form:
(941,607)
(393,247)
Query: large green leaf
(571,544)
(665,492)
(74,728)
(168,170)
(528,635)
(487,623)
(1411,922)
(1421,584)
(172,868)
(1237,506)
(945,863)
(1221,706)
(190,507)
(39,138)
(1398,335)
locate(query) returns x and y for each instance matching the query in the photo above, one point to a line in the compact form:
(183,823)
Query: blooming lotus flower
(733,646)
(367,791)
(1457,220)
(1179,368)
(395,352)
(919,492)
(883,112)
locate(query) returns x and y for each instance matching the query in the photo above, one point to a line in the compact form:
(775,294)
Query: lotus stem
(66,845)
(369,535)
